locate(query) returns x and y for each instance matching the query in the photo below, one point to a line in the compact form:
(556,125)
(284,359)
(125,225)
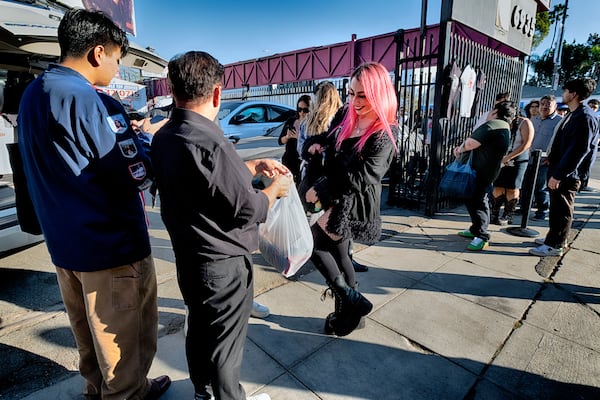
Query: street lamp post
(558,50)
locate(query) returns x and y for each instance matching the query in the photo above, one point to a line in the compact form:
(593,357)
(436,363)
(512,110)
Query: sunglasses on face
(302,109)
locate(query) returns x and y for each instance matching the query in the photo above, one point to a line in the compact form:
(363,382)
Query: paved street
(447,323)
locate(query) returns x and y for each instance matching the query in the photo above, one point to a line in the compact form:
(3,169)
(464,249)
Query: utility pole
(558,49)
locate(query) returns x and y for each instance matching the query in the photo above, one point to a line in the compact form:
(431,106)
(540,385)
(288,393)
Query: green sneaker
(478,244)
(466,234)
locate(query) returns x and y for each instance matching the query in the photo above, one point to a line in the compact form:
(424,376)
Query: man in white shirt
(544,125)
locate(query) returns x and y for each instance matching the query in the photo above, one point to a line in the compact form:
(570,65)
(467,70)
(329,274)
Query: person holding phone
(289,137)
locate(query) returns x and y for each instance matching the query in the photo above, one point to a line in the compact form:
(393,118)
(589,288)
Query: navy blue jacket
(573,140)
(85,169)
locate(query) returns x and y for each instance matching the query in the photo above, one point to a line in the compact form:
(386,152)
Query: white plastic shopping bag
(285,239)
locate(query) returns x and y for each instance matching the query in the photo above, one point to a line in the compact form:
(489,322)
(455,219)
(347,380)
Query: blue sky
(258,28)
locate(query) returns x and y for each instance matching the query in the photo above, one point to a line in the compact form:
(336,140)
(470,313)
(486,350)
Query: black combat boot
(495,204)
(350,307)
(509,210)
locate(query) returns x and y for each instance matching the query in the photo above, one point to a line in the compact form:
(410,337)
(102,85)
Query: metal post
(526,201)
(558,49)
(394,172)
(423,38)
(435,151)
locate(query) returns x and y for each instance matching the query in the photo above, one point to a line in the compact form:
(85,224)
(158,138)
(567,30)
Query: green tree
(542,28)
(543,23)
(542,67)
(578,59)
(594,43)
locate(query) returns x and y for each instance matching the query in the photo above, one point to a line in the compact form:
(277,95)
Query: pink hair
(379,92)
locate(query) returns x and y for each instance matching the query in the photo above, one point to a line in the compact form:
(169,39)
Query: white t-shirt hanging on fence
(467,95)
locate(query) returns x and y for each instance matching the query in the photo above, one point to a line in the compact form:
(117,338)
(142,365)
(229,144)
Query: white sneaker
(544,251)
(262,396)
(540,241)
(259,311)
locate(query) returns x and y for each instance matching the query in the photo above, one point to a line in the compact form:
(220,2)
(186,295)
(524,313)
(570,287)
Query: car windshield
(227,107)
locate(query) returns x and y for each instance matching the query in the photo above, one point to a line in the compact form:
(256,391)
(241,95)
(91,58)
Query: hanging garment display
(479,85)
(450,88)
(467,94)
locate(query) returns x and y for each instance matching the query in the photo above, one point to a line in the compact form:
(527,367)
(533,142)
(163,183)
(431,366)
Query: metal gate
(429,133)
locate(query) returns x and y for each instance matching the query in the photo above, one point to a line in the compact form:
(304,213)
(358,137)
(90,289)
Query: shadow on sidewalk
(15,382)
(360,368)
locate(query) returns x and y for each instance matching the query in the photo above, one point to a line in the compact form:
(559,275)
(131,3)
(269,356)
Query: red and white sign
(132,95)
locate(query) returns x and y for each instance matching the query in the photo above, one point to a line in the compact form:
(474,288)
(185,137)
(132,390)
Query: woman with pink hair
(358,152)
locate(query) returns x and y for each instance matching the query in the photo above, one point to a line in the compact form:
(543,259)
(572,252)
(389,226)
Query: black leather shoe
(158,386)
(359,267)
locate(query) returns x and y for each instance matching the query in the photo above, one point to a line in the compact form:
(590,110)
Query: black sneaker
(359,267)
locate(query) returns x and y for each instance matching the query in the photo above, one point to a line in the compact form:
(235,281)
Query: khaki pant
(114,318)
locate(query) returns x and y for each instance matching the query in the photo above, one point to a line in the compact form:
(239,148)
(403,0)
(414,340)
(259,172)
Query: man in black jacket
(571,143)
(211,212)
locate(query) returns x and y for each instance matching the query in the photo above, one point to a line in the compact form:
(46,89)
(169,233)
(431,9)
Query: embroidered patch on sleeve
(128,148)
(117,123)
(138,171)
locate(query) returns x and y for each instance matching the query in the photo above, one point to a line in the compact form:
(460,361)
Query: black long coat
(352,185)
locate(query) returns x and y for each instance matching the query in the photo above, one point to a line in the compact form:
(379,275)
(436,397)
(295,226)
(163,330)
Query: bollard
(526,203)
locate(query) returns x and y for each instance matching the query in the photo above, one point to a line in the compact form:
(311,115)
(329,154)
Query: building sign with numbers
(509,21)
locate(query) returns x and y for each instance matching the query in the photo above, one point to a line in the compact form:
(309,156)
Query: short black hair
(584,87)
(594,102)
(507,111)
(503,95)
(81,30)
(193,75)
(550,97)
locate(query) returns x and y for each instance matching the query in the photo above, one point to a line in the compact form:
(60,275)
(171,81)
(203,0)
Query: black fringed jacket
(352,184)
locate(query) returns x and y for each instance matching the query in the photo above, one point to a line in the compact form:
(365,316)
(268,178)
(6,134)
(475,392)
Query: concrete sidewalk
(447,323)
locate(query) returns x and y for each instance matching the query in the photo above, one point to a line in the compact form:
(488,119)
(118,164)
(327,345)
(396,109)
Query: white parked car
(246,119)
(12,238)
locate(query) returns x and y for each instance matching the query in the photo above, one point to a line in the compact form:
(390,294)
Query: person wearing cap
(562,110)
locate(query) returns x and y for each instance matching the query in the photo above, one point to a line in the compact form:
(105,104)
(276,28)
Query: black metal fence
(414,177)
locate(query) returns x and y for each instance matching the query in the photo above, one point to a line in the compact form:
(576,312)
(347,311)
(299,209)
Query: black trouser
(562,207)
(479,210)
(219,299)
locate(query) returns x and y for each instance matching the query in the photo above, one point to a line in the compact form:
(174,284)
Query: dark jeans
(479,210)
(219,299)
(562,204)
